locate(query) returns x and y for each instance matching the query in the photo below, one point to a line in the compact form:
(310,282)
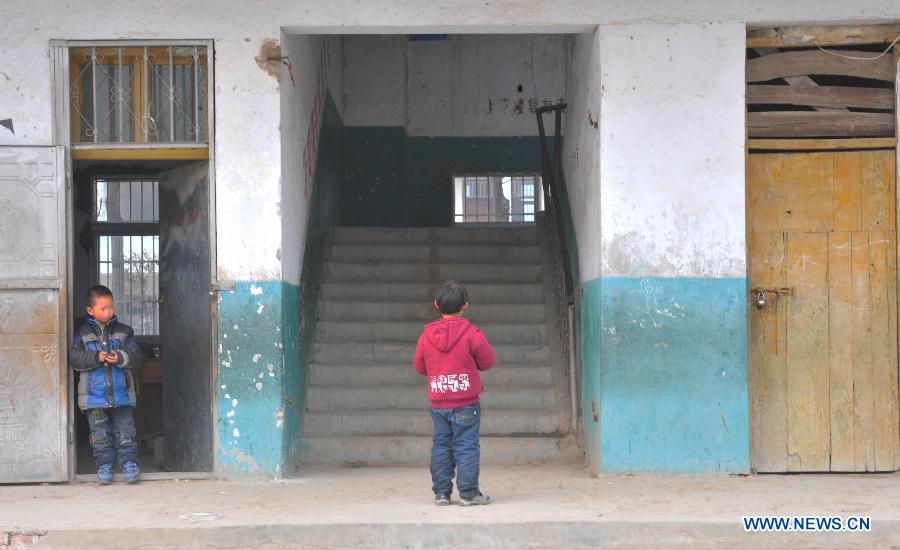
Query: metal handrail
(559,253)
(552,172)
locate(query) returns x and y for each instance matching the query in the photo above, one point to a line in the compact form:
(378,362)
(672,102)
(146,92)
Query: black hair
(95,291)
(451,297)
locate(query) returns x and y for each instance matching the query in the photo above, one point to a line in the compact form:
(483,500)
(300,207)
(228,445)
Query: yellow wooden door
(823,350)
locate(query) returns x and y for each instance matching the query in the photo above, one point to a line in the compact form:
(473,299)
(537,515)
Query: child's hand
(102,356)
(112,357)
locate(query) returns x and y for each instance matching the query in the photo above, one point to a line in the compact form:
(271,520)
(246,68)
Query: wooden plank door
(822,248)
(33,329)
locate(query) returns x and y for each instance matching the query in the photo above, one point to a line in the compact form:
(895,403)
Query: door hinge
(221,286)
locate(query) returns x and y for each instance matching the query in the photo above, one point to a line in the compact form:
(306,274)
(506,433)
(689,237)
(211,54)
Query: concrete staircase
(366,404)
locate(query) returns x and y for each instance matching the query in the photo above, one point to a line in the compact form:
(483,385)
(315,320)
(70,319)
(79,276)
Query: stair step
(424,312)
(423,273)
(348,331)
(403,374)
(402,352)
(423,292)
(418,422)
(435,235)
(423,253)
(365,398)
(416,450)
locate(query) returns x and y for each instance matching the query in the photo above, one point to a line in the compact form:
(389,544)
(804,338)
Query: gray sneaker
(476,500)
(442,499)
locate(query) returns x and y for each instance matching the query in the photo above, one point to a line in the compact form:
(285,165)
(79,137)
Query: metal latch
(761,292)
(221,286)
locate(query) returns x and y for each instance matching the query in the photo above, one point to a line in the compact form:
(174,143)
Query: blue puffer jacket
(102,385)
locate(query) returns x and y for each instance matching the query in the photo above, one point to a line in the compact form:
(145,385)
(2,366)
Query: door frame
(825,36)
(62,136)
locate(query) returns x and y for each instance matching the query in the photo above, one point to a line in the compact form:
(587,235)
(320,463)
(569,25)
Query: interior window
(127,229)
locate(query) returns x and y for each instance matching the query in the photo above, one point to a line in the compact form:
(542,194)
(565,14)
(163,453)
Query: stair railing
(559,254)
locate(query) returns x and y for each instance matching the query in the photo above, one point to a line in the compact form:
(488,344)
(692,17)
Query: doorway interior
(136,117)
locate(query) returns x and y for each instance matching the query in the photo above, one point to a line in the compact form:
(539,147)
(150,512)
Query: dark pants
(456,444)
(113,435)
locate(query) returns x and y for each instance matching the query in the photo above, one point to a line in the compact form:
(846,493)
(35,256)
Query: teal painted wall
(250,381)
(665,363)
(395,180)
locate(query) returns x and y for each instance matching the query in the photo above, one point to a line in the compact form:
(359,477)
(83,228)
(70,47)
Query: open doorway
(142,229)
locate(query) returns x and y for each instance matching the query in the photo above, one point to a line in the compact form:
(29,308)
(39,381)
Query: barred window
(502,198)
(126,221)
(143,94)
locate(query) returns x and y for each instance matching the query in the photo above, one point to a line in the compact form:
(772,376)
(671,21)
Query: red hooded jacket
(451,352)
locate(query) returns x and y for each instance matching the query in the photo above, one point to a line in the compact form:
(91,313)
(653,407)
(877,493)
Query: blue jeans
(456,445)
(113,435)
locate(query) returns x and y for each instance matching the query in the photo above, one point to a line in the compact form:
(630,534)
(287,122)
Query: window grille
(143,94)
(126,217)
(511,198)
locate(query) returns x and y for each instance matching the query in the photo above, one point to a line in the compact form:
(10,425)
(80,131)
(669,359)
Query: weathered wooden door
(33,397)
(823,349)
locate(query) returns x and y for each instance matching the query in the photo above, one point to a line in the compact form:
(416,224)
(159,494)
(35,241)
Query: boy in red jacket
(451,352)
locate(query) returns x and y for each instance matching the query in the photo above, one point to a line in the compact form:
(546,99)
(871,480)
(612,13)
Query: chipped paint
(269,58)
(248,402)
(653,370)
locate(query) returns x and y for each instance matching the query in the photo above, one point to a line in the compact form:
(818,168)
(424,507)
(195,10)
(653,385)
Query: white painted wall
(686,111)
(316,64)
(581,149)
(672,150)
(466,85)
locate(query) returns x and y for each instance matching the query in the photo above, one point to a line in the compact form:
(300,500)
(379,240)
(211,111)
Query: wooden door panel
(768,383)
(840,349)
(810,205)
(823,360)
(877,186)
(847,191)
(807,352)
(882,259)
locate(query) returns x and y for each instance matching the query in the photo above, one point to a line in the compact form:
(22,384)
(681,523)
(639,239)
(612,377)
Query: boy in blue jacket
(103,354)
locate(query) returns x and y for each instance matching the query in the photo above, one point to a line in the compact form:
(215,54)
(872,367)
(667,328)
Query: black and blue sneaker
(104,474)
(442,499)
(132,472)
(478,499)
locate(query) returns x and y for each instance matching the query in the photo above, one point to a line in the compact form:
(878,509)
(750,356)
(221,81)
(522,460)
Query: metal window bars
(126,217)
(504,198)
(139,94)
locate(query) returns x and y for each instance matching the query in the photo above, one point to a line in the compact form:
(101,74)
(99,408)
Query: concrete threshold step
(620,532)
(500,375)
(416,450)
(418,422)
(435,235)
(445,253)
(406,397)
(423,292)
(402,352)
(348,331)
(424,312)
(424,273)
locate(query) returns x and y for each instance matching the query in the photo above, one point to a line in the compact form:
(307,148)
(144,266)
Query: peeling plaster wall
(581,150)
(317,68)
(672,150)
(663,326)
(461,86)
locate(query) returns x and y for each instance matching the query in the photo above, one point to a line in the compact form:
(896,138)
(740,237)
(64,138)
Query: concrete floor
(546,506)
